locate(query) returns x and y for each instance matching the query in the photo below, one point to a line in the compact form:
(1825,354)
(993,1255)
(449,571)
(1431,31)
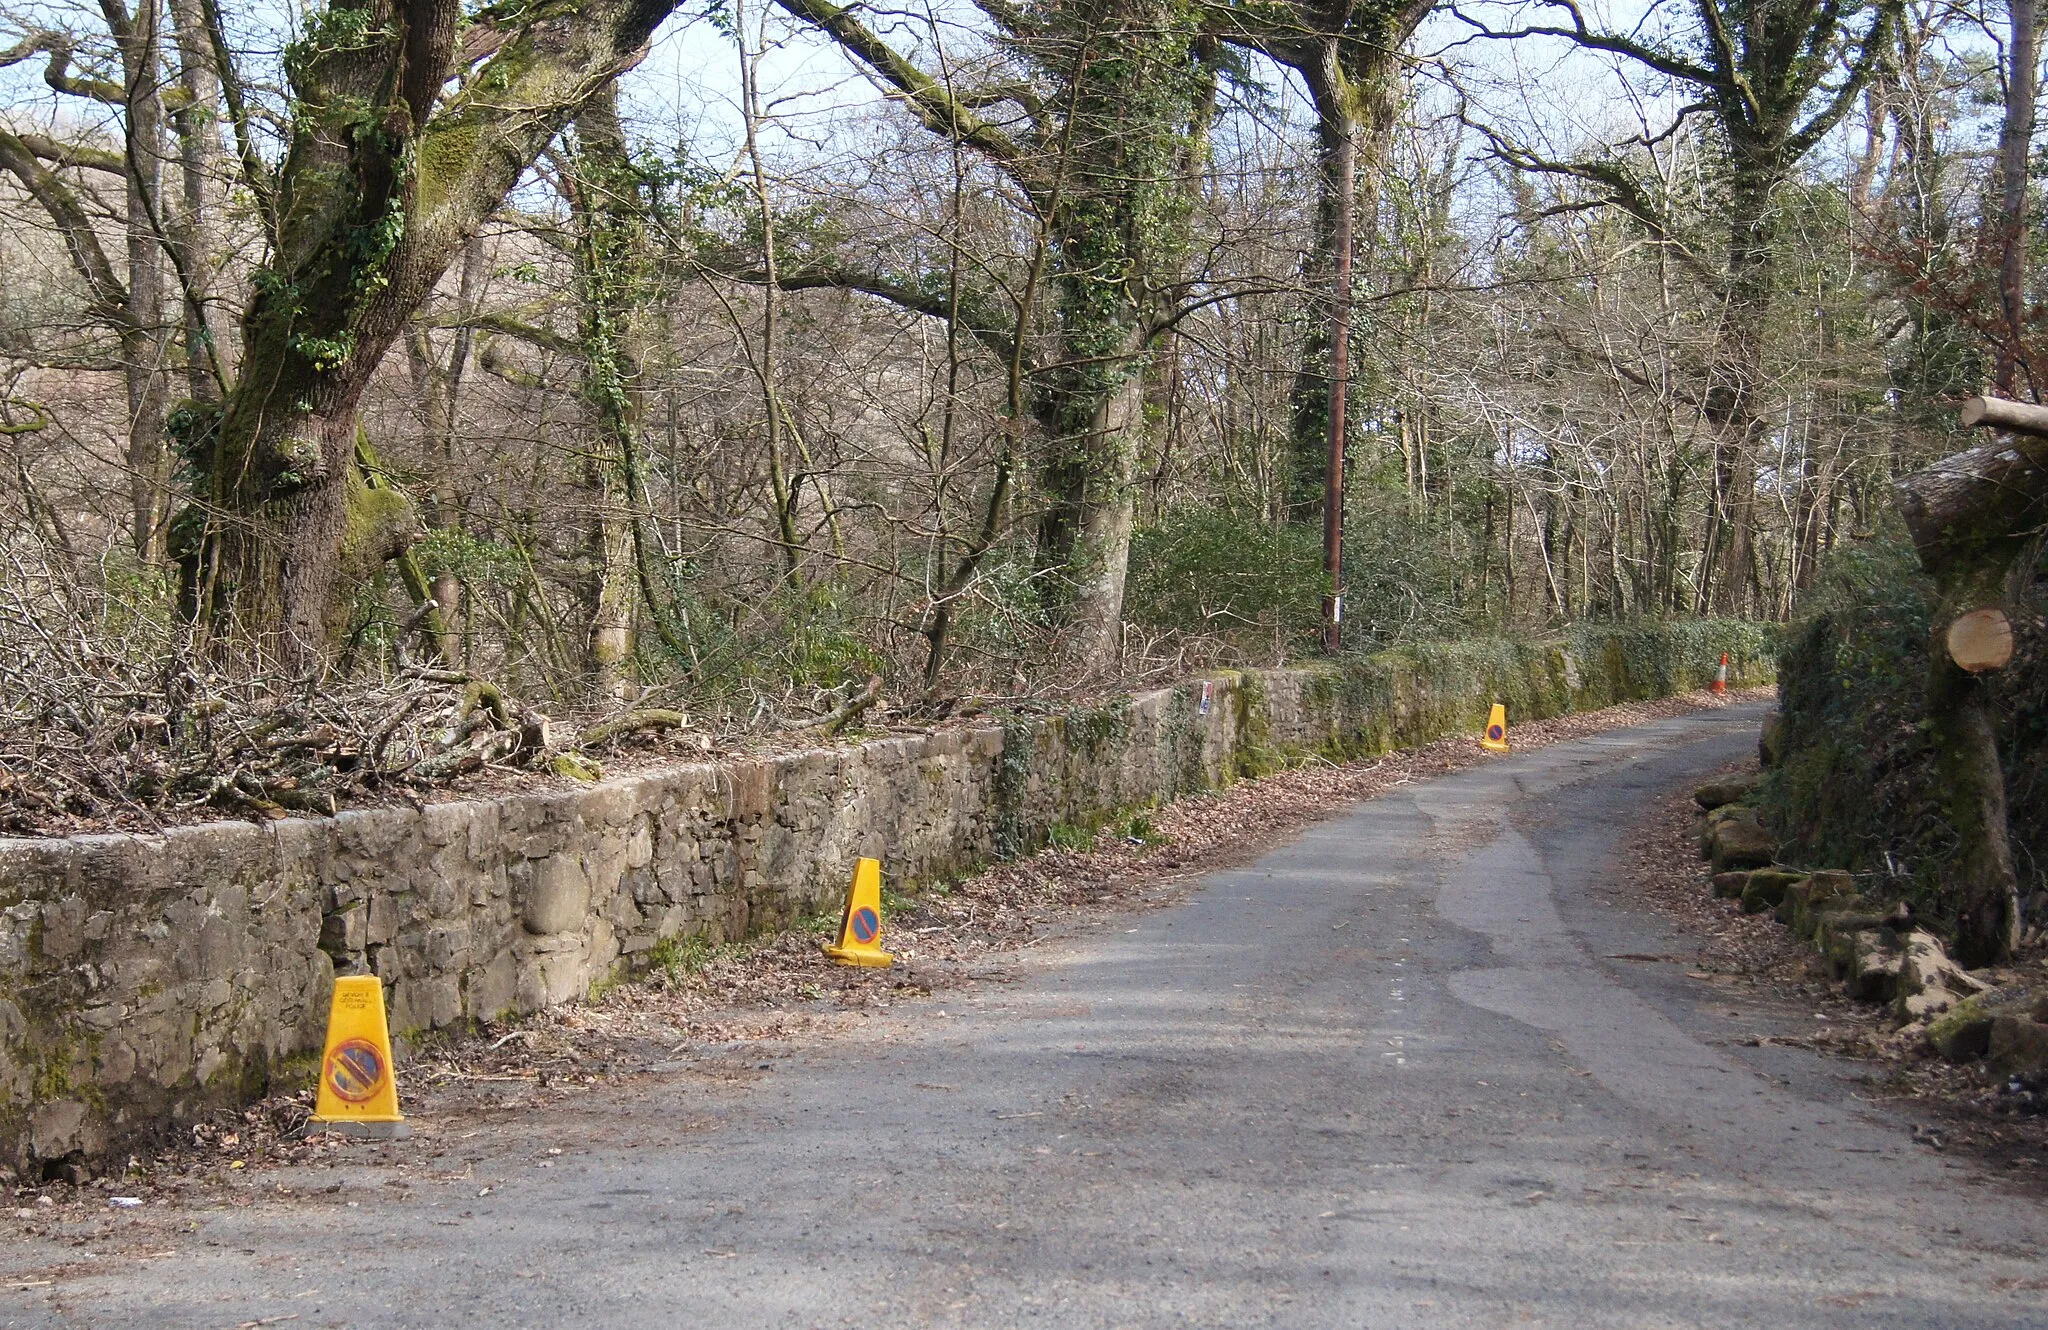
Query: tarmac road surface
(1390,1075)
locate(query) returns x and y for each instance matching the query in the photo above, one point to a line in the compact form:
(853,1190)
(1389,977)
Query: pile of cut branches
(107,712)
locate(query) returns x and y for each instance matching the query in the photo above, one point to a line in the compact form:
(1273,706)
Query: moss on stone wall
(1419,693)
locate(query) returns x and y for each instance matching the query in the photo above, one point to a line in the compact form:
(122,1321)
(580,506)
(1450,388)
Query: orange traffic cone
(1720,684)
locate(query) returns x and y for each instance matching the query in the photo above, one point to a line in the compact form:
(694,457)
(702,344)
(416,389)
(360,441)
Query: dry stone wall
(148,979)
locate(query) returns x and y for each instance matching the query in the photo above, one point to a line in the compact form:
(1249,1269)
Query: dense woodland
(747,361)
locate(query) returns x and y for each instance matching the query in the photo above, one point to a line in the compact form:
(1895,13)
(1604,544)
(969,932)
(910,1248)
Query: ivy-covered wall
(147,979)
(1415,694)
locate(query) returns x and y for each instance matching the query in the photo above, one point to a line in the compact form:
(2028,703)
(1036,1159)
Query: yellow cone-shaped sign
(1495,740)
(860,928)
(358,1085)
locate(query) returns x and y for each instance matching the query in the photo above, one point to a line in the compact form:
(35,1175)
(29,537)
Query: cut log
(1998,413)
(1977,508)
(653,718)
(1981,640)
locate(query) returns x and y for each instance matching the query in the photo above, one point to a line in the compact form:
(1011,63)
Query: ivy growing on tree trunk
(410,122)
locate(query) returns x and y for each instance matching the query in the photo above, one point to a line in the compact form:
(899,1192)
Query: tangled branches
(108,709)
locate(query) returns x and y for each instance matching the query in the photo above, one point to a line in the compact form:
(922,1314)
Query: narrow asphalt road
(1394,1074)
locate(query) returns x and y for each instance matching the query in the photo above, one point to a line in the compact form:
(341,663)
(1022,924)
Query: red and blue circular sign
(866,924)
(1495,732)
(355,1071)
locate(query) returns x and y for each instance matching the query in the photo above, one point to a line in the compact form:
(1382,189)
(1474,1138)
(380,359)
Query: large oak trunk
(1730,406)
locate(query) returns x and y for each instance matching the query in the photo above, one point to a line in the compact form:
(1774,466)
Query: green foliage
(1250,582)
(1851,789)
(325,352)
(1005,616)
(1402,580)
(1067,836)
(474,559)
(1007,791)
(805,639)
(1089,730)
(334,30)
(1259,585)
(678,958)
(1141,830)
(1645,658)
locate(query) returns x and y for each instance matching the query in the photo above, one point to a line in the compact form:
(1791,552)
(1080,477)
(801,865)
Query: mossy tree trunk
(1730,404)
(1115,111)
(1088,475)
(608,209)
(389,171)
(1132,109)
(1348,57)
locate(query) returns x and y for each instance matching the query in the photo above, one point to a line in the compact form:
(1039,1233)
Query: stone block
(63,931)
(61,1127)
(1875,958)
(612,803)
(557,896)
(346,931)
(1823,893)
(529,987)
(117,1063)
(640,847)
(1836,938)
(449,823)
(2017,1046)
(1766,888)
(491,987)
(1720,793)
(381,926)
(1740,842)
(565,977)
(426,1004)
(447,948)
(1963,1033)
(1770,740)
(1930,982)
